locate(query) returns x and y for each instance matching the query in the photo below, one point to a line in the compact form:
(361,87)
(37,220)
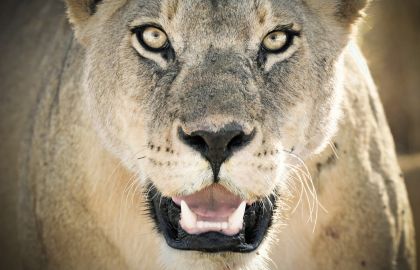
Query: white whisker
(333,148)
(307,187)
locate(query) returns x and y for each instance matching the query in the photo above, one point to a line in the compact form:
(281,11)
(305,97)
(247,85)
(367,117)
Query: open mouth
(211,220)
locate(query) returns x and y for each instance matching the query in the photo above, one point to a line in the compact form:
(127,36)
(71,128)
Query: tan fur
(363,195)
(93,152)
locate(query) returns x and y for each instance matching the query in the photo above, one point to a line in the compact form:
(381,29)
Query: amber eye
(276,41)
(152,38)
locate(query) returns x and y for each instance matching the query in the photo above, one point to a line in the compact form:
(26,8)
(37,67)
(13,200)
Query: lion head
(211,103)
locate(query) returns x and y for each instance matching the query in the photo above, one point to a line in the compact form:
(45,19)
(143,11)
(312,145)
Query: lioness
(198,134)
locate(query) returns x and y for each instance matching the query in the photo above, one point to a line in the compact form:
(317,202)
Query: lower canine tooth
(236,219)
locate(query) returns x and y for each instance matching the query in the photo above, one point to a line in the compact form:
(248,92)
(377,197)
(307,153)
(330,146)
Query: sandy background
(31,29)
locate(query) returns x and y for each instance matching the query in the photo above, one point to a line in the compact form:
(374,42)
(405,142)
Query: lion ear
(80,13)
(344,11)
(350,10)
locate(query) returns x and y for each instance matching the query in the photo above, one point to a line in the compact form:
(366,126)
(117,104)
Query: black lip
(166,214)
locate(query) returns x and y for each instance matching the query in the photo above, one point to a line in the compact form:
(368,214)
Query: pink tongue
(214,203)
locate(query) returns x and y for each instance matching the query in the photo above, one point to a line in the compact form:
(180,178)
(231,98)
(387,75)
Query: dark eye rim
(139,30)
(290,36)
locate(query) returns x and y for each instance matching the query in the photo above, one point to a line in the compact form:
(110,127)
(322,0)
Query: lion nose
(218,146)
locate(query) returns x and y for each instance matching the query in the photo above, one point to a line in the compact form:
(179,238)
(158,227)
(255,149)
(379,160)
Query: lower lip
(167,214)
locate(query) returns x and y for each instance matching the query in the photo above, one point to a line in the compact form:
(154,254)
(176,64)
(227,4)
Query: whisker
(134,192)
(311,188)
(333,148)
(314,206)
(304,187)
(300,197)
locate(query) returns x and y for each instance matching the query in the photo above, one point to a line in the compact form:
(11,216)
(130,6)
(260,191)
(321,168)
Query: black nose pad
(218,146)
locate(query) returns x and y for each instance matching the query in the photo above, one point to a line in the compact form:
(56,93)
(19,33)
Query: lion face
(212,103)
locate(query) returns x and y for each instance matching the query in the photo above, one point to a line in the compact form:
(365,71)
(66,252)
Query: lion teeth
(190,221)
(212,225)
(188,218)
(236,219)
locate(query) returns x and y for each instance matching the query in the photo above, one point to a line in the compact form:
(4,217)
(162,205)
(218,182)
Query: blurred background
(389,37)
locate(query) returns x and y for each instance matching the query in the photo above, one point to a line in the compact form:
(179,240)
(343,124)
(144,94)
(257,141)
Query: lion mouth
(211,220)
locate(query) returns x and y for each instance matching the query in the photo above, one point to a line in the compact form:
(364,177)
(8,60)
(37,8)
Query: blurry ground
(390,40)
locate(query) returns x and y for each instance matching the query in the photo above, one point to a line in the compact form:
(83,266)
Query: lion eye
(152,38)
(276,41)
